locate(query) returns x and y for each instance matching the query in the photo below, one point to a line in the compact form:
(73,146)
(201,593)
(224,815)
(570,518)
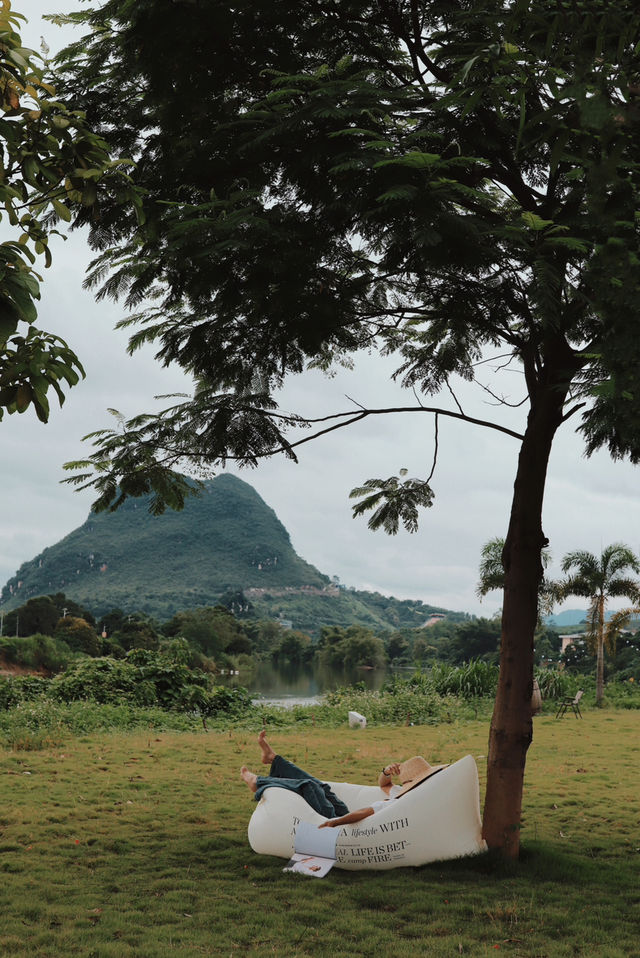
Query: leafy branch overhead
(424,179)
(393,501)
(52,165)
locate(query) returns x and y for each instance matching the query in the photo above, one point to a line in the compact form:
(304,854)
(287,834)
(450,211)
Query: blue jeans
(284,774)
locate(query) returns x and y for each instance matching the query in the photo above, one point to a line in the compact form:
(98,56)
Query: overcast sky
(589,503)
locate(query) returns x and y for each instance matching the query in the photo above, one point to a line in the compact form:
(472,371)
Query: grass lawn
(131,844)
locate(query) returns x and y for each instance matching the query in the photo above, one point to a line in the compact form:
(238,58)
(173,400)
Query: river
(300,685)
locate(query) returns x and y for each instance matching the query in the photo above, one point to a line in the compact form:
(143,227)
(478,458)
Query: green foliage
(380,207)
(35,652)
(556,685)
(24,688)
(103,680)
(211,630)
(472,680)
(44,723)
(144,679)
(66,606)
(235,703)
(601,578)
(345,648)
(293,648)
(135,633)
(491,575)
(397,647)
(53,166)
(477,639)
(79,635)
(394,502)
(39,614)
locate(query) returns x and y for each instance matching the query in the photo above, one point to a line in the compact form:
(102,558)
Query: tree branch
(573,410)
(435,451)
(365,413)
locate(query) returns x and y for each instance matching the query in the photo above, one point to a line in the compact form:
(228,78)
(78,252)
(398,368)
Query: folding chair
(573,704)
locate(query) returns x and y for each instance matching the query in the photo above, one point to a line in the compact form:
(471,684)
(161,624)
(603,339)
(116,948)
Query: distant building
(574,640)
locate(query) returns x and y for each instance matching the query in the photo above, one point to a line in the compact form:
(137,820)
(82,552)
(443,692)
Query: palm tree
(491,574)
(601,579)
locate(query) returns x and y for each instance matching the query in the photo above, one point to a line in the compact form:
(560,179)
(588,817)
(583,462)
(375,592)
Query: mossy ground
(135,844)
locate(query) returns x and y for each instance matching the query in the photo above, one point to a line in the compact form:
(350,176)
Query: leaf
(416,160)
(535,222)
(63,211)
(8,326)
(404,192)
(23,397)
(464,73)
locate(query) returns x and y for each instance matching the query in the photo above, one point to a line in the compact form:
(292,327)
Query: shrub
(103,680)
(473,680)
(9,693)
(36,652)
(79,635)
(556,685)
(233,702)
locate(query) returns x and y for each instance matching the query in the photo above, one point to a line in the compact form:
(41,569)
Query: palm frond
(616,624)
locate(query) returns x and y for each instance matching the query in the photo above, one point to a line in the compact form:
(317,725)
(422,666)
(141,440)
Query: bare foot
(250,778)
(268,754)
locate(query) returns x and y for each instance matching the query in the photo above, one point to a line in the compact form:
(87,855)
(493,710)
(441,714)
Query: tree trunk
(511,723)
(600,653)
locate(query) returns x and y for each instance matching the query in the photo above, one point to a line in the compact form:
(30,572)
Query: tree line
(48,632)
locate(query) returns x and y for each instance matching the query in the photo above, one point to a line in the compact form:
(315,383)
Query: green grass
(135,844)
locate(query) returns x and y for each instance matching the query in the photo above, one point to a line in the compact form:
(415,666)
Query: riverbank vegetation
(157,691)
(128,671)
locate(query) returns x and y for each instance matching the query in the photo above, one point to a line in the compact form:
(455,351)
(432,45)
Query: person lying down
(320,796)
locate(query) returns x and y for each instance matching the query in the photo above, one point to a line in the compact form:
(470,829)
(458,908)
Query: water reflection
(300,684)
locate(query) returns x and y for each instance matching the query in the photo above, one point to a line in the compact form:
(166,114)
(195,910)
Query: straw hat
(414,771)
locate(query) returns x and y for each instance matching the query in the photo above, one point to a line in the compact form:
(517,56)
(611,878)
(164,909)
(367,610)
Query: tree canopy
(423,178)
(437,181)
(51,163)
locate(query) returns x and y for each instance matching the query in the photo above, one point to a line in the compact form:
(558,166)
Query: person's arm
(348,819)
(386,775)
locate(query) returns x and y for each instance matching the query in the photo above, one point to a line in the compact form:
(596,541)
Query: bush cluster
(143,679)
(159,690)
(38,652)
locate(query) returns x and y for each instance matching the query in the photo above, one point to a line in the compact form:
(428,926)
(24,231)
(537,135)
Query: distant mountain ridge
(571,617)
(225,540)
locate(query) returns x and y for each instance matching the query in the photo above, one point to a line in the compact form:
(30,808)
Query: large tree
(601,578)
(51,163)
(435,180)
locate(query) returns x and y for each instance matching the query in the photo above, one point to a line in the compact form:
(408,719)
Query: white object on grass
(435,821)
(356,720)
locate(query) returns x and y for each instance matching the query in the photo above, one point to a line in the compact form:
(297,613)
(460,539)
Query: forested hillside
(225,541)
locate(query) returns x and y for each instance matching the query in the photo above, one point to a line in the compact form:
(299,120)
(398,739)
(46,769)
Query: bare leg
(268,754)
(249,778)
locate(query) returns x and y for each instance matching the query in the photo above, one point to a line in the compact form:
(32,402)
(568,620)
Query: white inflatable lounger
(437,820)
